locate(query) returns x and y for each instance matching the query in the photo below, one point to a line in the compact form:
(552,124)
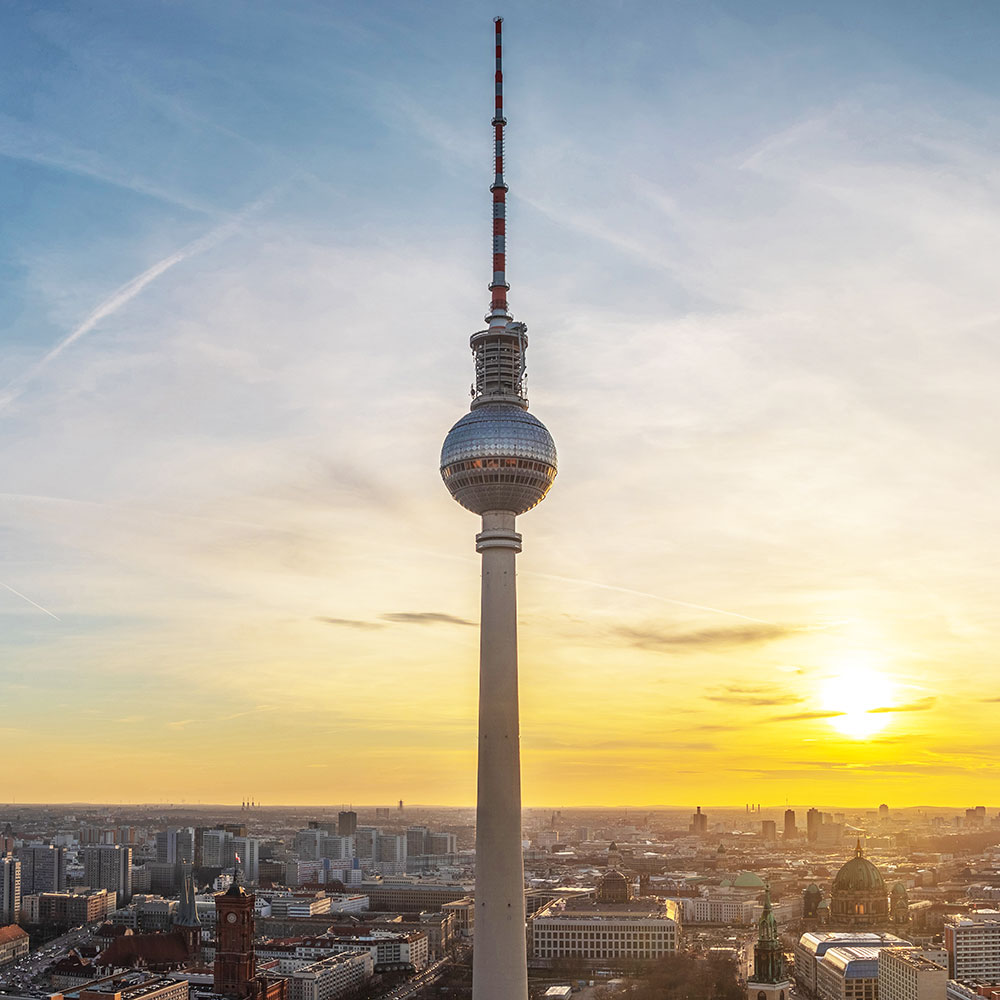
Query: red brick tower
(235,965)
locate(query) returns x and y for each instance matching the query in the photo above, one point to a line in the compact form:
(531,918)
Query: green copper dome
(858,875)
(748,880)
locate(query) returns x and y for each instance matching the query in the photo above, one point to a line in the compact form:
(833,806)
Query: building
(973,944)
(768,830)
(908,974)
(410,896)
(10,890)
(130,986)
(814,820)
(390,951)
(43,868)
(82,906)
(609,926)
(235,962)
(247,856)
(699,823)
(329,978)
(848,973)
(175,844)
(813,946)
(109,866)
(769,980)
(859,897)
(498,461)
(347,823)
(14,944)
(791,831)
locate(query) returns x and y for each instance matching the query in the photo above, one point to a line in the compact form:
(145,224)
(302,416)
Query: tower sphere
(498,457)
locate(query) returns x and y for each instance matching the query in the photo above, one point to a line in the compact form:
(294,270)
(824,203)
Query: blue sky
(244,246)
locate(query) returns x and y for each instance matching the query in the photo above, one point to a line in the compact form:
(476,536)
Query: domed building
(859,897)
(613,888)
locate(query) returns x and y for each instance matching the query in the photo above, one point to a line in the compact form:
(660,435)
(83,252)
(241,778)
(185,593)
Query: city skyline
(761,305)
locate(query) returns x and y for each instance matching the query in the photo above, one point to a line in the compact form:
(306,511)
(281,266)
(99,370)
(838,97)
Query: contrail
(131,289)
(643,593)
(23,597)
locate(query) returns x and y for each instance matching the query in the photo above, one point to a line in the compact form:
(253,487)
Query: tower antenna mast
(499,286)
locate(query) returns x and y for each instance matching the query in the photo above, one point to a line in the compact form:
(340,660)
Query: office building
(175,844)
(791,831)
(908,974)
(612,925)
(109,866)
(813,946)
(330,978)
(973,944)
(10,890)
(347,823)
(43,868)
(699,823)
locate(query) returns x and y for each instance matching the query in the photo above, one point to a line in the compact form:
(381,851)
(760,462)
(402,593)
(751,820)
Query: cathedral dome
(859,897)
(859,875)
(613,888)
(748,880)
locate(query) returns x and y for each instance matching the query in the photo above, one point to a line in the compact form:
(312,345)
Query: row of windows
(497,463)
(599,952)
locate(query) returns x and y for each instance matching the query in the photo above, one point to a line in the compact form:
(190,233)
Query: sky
(244,246)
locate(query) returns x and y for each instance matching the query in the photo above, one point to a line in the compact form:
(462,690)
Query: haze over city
(245,246)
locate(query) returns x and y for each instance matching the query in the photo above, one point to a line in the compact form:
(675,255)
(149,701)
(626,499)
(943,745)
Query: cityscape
(715,722)
(253,901)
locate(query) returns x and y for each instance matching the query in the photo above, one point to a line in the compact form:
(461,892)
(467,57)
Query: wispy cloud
(666,639)
(349,622)
(123,295)
(756,695)
(920,705)
(425,618)
(644,593)
(805,716)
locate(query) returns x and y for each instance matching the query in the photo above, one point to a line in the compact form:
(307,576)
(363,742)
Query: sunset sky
(244,246)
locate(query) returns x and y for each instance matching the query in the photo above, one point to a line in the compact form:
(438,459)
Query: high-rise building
(347,823)
(217,848)
(416,840)
(175,844)
(768,829)
(109,866)
(973,944)
(10,890)
(814,820)
(791,831)
(43,868)
(908,974)
(247,856)
(498,462)
(699,823)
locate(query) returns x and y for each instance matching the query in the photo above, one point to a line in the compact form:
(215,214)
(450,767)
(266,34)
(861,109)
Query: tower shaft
(499,969)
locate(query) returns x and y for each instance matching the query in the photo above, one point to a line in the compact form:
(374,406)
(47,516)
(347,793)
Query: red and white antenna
(499,284)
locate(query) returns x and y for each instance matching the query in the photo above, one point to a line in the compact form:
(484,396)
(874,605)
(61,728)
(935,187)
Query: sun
(857,691)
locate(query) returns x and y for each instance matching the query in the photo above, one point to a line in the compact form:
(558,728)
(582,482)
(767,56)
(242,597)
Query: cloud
(741,635)
(348,622)
(425,618)
(123,295)
(805,716)
(920,705)
(736,694)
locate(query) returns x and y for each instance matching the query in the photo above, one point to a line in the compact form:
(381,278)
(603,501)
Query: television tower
(499,461)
